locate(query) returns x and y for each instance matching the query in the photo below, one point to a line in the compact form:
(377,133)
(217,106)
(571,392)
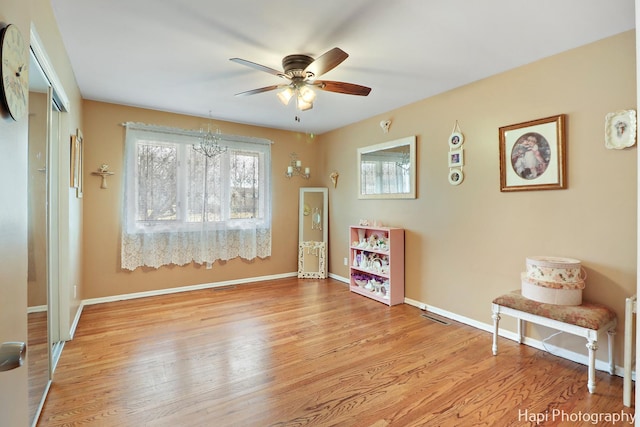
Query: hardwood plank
(37,359)
(304,352)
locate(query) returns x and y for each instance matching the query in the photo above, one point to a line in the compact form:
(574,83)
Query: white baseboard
(340,278)
(76,319)
(168,291)
(583,359)
(36,309)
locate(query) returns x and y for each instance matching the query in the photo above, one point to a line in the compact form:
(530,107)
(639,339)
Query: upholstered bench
(587,320)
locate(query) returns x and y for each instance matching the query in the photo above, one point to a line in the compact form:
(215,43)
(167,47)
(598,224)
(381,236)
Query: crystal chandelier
(210,142)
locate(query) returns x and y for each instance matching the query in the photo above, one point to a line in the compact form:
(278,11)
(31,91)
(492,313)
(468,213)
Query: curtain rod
(191,132)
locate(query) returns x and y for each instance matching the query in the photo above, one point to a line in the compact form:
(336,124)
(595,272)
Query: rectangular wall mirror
(313,232)
(388,170)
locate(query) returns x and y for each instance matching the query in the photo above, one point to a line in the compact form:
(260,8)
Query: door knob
(12,355)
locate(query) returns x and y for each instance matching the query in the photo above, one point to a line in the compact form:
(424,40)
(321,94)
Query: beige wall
(104,143)
(467,244)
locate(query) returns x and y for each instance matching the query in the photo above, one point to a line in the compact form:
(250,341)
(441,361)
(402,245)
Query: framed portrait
(532,155)
(455,140)
(455,176)
(456,158)
(620,129)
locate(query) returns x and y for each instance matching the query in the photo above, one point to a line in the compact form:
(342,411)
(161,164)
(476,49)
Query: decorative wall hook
(334,178)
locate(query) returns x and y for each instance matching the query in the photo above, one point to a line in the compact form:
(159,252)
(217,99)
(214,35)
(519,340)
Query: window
(196,208)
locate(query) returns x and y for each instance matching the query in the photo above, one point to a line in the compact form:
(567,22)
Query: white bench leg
(610,337)
(592,345)
(496,319)
(521,328)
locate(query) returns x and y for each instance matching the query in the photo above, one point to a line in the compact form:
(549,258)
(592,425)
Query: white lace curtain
(182,207)
(385,176)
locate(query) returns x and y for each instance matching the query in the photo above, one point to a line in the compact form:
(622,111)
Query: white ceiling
(173,55)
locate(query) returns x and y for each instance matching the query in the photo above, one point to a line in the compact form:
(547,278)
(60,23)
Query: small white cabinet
(376,263)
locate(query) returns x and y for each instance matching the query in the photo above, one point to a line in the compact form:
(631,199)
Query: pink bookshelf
(376,263)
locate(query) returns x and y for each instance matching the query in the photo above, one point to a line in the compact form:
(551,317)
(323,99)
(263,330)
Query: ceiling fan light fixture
(285,95)
(302,71)
(303,105)
(306,94)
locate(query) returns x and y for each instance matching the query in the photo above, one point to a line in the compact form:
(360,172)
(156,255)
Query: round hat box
(532,290)
(580,284)
(555,270)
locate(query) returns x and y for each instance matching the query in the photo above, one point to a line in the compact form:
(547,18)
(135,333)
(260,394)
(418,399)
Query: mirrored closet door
(38,240)
(45,107)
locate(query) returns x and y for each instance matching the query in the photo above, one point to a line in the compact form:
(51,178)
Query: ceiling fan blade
(258,67)
(327,61)
(342,87)
(260,90)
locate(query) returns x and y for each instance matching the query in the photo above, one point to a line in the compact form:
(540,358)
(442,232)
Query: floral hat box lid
(555,269)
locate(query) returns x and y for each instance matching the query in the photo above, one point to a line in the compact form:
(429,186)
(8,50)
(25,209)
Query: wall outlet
(346,262)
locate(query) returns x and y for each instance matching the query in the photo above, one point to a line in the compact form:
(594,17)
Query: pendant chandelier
(210,142)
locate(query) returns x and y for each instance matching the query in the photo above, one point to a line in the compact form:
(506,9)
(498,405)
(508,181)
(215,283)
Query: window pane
(204,188)
(157,182)
(384,177)
(393,178)
(368,179)
(245,186)
(172,187)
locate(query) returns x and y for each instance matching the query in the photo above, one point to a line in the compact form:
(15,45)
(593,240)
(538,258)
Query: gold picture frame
(532,155)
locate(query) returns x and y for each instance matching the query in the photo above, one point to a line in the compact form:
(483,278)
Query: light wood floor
(38,359)
(296,352)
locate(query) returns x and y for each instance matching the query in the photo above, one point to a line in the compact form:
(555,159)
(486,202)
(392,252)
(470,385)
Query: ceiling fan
(301,72)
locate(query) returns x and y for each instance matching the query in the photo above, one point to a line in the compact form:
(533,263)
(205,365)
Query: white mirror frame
(308,252)
(409,141)
(313,251)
